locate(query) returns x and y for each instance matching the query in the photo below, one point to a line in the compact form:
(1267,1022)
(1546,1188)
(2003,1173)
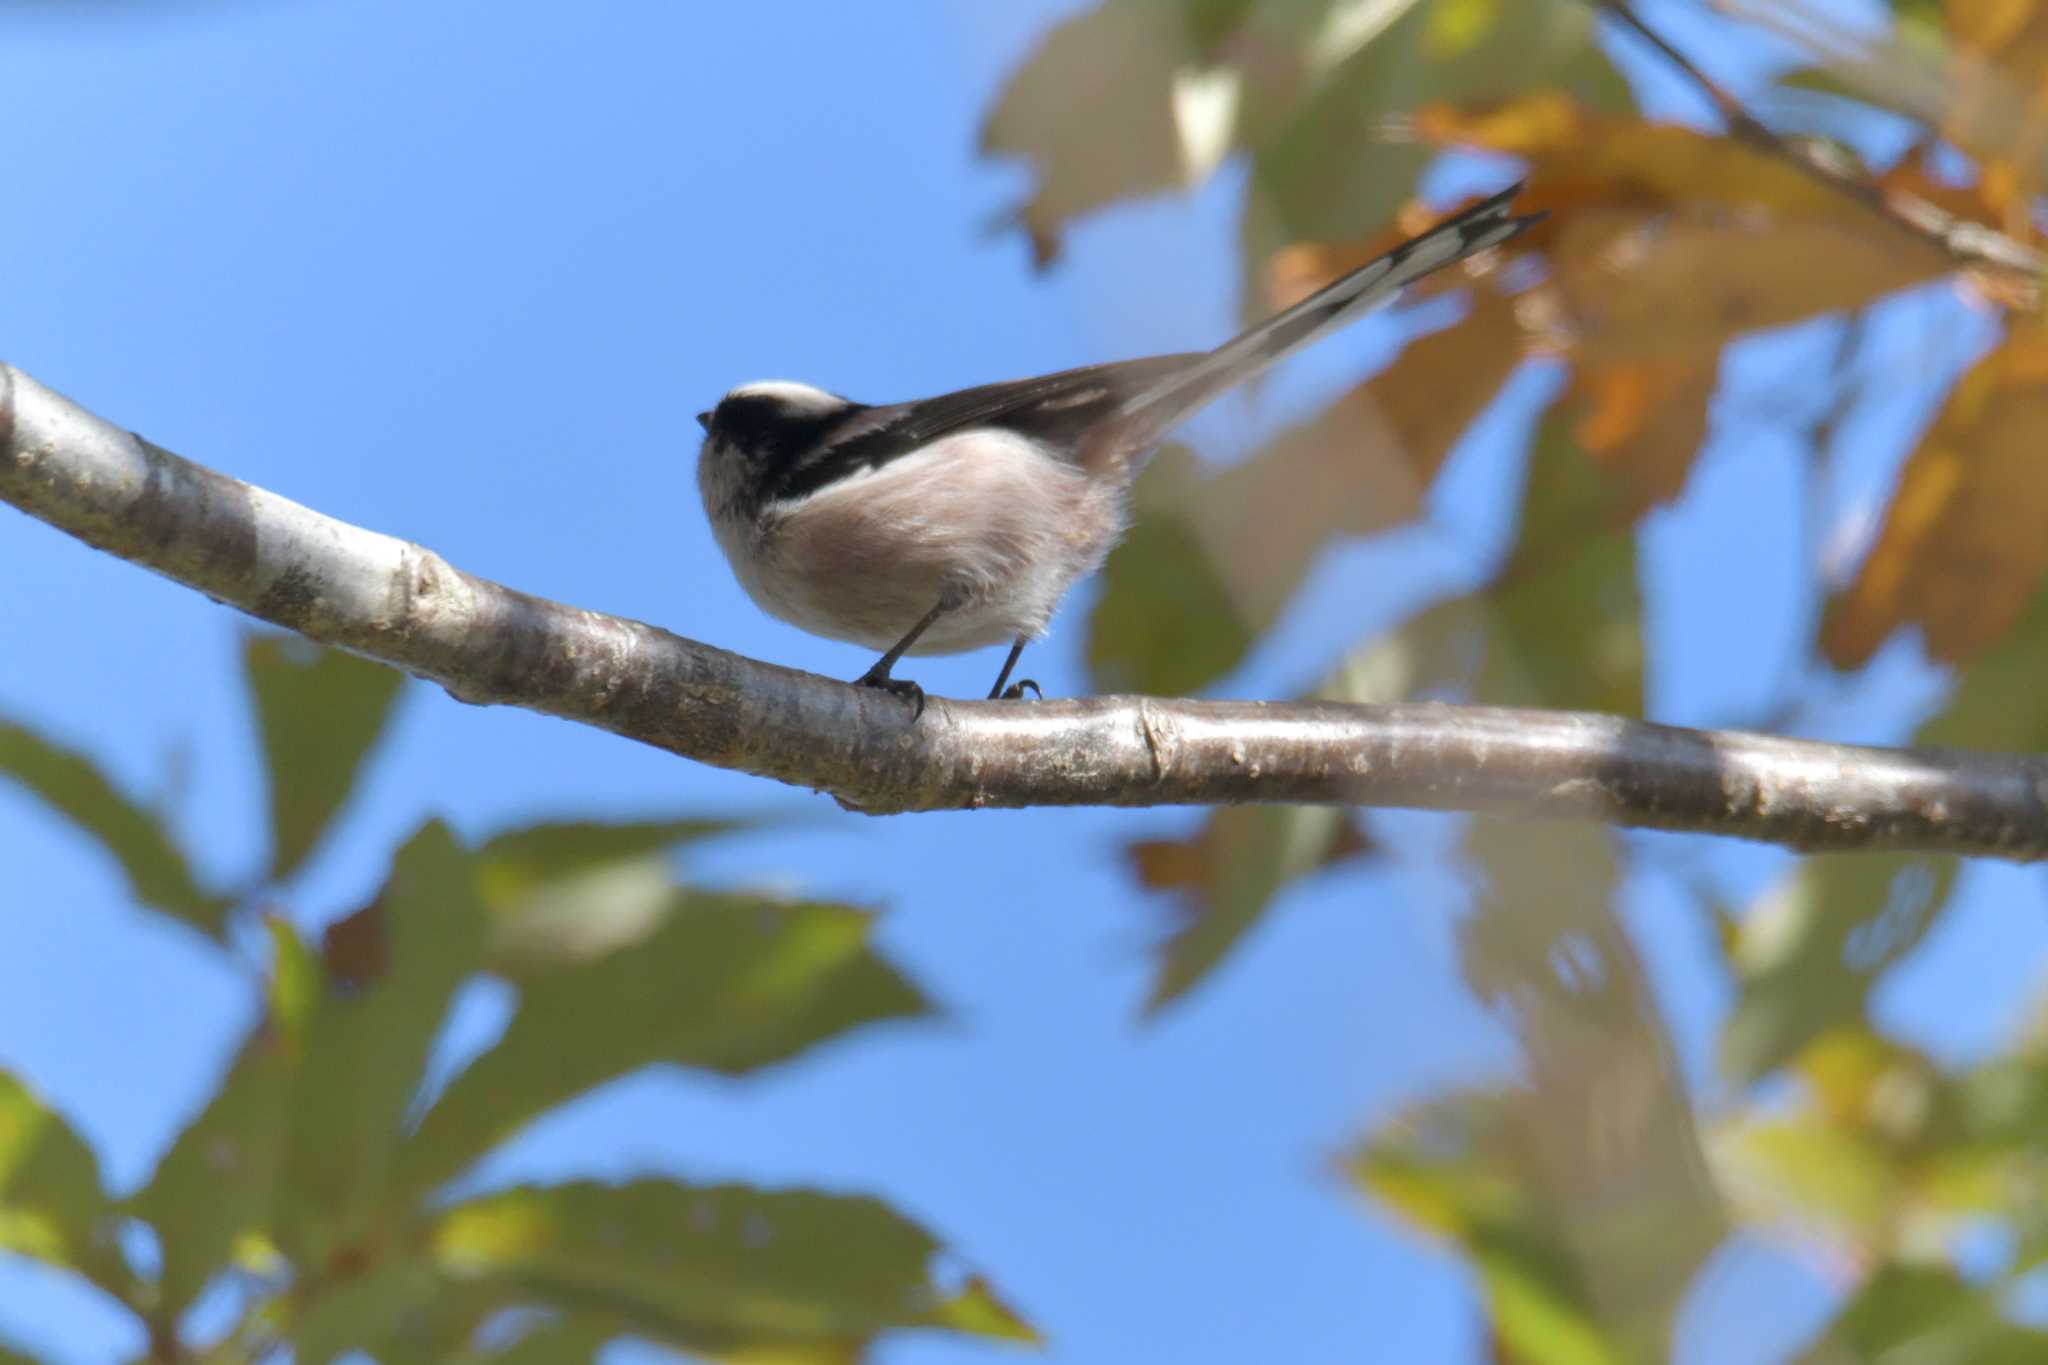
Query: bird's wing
(1057,410)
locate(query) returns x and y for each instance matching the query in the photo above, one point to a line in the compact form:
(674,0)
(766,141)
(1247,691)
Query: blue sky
(461,273)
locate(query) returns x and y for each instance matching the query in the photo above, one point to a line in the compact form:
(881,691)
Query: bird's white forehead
(790,394)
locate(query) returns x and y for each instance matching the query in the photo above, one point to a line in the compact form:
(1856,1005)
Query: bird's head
(755,435)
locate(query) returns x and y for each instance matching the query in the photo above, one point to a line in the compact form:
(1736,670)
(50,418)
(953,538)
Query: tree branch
(406,606)
(1968,244)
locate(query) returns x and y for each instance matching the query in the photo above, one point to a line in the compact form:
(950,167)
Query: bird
(954,523)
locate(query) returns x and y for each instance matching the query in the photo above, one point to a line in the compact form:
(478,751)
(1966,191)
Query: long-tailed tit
(951,523)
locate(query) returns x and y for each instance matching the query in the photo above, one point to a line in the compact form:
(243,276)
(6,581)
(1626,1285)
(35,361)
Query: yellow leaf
(1966,538)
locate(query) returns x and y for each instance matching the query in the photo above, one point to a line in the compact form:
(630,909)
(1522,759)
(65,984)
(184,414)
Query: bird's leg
(878,676)
(1016,693)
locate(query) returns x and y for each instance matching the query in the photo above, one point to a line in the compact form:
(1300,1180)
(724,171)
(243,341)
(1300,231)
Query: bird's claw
(901,687)
(1015,691)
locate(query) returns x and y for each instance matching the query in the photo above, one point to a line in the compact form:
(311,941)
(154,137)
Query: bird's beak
(704,420)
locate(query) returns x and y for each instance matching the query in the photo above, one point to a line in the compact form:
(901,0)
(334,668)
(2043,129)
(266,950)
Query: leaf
(1666,243)
(713,1268)
(1131,65)
(52,1206)
(1965,541)
(406,1312)
(217,1185)
(1928,1315)
(1447,1167)
(1602,1143)
(1565,611)
(366,1048)
(361,1303)
(1166,623)
(1213,560)
(1807,955)
(1999,704)
(1828,1180)
(320,713)
(1645,421)
(158,875)
(1440,383)
(1227,874)
(564,891)
(1326,169)
(576,1336)
(726,982)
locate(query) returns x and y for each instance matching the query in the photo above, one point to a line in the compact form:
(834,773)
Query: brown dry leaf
(1966,539)
(1582,161)
(1997,88)
(1344,472)
(1579,156)
(1441,382)
(1682,283)
(1644,422)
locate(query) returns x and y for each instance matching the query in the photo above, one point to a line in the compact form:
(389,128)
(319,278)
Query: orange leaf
(1644,422)
(1966,538)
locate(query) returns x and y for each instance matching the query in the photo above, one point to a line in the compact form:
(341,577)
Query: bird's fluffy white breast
(985,513)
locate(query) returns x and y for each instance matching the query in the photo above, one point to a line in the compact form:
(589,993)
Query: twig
(405,606)
(1962,241)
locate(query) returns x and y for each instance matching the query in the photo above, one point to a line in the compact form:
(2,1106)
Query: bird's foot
(1015,691)
(903,687)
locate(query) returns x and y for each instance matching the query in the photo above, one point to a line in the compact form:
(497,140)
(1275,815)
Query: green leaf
(1167,622)
(320,712)
(1229,871)
(520,861)
(1451,1167)
(52,1206)
(1213,559)
(1999,704)
(1835,1179)
(1565,610)
(1807,955)
(359,1306)
(218,1183)
(716,1268)
(158,875)
(1228,874)
(1602,1147)
(726,982)
(404,1311)
(367,1043)
(1927,1315)
(1326,171)
(571,891)
(575,1336)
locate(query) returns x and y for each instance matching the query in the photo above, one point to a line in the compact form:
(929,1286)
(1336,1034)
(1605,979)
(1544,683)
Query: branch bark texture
(405,606)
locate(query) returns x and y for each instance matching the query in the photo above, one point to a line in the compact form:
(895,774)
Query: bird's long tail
(1148,414)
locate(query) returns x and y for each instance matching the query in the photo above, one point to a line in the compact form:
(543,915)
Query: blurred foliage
(1588,1191)
(309,1191)
(1587,1194)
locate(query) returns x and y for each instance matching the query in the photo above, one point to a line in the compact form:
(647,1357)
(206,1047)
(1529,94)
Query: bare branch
(1968,244)
(406,606)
